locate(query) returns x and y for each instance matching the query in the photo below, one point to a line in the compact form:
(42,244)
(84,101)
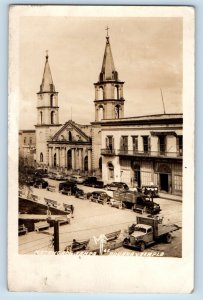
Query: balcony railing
(149,153)
(110,152)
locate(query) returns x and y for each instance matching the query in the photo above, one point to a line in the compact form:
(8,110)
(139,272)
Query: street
(92,219)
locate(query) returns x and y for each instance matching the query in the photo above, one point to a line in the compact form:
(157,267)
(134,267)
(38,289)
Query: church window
(51,100)
(30,141)
(24,140)
(69,136)
(52,117)
(41,157)
(117,96)
(41,117)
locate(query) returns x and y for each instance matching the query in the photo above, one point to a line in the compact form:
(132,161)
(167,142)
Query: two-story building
(144,150)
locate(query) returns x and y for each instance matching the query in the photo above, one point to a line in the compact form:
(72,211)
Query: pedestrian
(72,210)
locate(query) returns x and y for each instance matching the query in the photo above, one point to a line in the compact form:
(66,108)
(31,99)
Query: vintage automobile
(146,232)
(77,246)
(55,176)
(99,197)
(79,193)
(150,190)
(41,173)
(137,201)
(94,182)
(67,187)
(117,185)
(40,183)
(77,178)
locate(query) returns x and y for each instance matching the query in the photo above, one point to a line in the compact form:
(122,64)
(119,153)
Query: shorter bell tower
(47,114)
(109,101)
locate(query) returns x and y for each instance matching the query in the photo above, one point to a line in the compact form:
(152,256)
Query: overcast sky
(147,54)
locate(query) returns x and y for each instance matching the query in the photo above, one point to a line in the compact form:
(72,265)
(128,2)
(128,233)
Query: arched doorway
(41,157)
(110,171)
(55,160)
(137,177)
(164,171)
(69,159)
(86,163)
(100,163)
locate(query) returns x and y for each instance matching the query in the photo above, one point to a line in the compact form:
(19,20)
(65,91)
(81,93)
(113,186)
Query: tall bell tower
(109,101)
(47,114)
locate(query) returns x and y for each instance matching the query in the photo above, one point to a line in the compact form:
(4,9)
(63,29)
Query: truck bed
(163,229)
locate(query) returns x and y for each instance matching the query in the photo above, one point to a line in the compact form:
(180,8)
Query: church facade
(138,151)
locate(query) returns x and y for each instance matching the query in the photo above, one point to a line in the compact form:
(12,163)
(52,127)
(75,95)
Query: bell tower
(47,104)
(47,114)
(109,101)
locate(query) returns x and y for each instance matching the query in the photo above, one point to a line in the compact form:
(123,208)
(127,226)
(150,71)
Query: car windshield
(138,228)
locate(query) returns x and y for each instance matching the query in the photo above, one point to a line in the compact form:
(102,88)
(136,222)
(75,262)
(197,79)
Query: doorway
(164,182)
(69,159)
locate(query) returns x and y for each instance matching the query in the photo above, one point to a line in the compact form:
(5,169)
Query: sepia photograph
(100,112)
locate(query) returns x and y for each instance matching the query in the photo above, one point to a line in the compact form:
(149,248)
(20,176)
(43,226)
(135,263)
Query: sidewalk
(170,197)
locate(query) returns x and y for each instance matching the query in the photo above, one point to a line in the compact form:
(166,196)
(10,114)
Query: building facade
(144,150)
(139,150)
(27,146)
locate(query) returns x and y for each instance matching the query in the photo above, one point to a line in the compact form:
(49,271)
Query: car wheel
(142,246)
(168,238)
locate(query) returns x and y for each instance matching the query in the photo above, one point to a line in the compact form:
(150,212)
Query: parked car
(117,185)
(41,173)
(67,187)
(77,178)
(41,183)
(30,180)
(149,205)
(55,176)
(151,190)
(99,197)
(79,193)
(92,181)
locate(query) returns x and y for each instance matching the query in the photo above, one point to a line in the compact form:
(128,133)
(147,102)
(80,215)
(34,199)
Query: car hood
(137,234)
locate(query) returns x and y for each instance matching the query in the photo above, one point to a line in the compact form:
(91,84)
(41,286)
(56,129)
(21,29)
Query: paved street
(91,219)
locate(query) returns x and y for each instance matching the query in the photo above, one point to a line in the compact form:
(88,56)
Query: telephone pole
(56,236)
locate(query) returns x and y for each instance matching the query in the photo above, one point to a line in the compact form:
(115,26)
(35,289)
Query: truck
(148,231)
(136,201)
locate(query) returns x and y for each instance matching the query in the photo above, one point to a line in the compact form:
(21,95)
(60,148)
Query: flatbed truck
(148,231)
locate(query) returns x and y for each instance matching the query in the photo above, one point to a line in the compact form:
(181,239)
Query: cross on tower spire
(107,31)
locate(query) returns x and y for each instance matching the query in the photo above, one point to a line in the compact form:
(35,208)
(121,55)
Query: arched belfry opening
(100,93)
(117,111)
(100,112)
(52,100)
(52,117)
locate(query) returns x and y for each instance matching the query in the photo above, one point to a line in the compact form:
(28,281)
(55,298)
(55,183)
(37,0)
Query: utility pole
(56,236)
(162,100)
